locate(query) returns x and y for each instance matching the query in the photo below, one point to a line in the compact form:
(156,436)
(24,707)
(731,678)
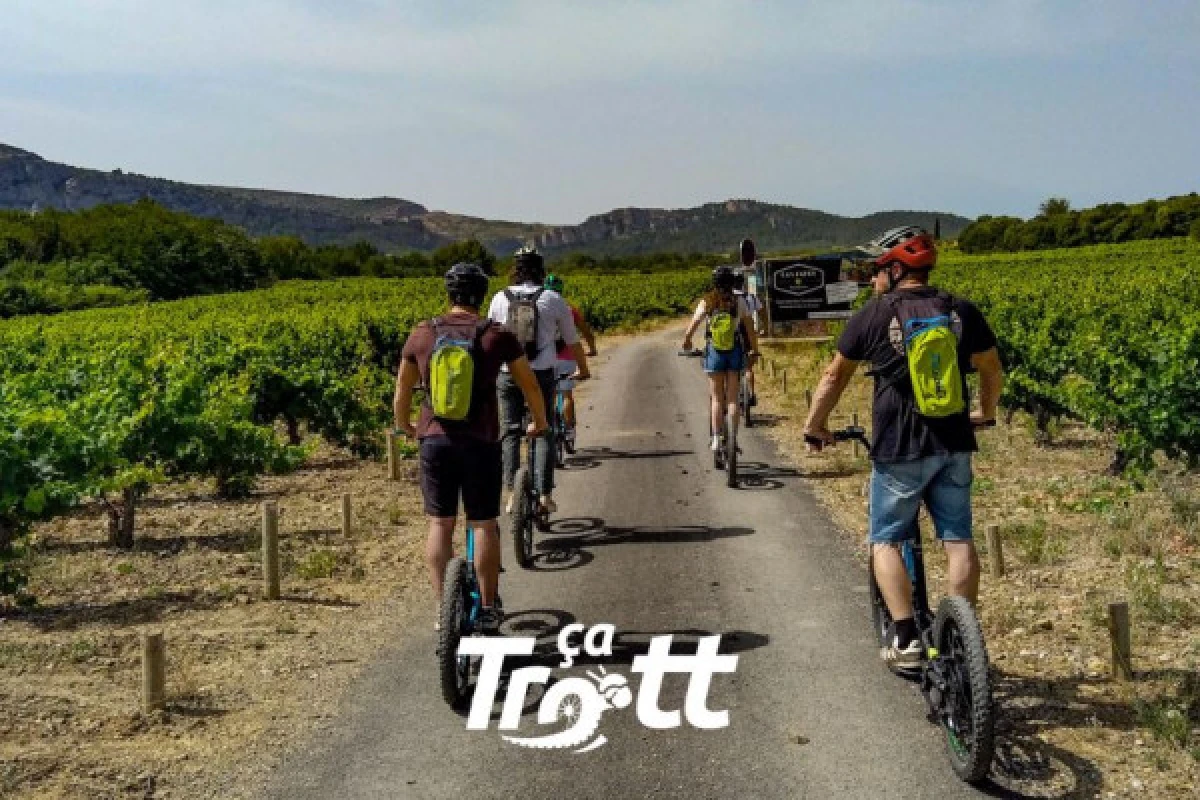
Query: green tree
(470,250)
(1053,206)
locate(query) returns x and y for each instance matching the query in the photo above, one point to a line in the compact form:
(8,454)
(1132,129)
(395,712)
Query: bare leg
(892,578)
(487,558)
(569,408)
(732,386)
(962,573)
(716,383)
(439,549)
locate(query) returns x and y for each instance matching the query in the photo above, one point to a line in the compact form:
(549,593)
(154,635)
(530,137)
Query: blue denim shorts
(724,361)
(943,482)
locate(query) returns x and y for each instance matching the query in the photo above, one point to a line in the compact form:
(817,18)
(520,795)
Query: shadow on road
(569,538)
(755,475)
(592,457)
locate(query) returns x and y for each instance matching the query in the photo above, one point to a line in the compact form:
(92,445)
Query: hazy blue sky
(552,111)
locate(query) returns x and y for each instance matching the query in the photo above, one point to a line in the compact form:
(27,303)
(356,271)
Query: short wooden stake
(995,551)
(154,672)
(347,518)
(854,422)
(783,382)
(1118,631)
(393,454)
(808,400)
(270,550)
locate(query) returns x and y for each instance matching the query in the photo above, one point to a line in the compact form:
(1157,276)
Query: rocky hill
(30,182)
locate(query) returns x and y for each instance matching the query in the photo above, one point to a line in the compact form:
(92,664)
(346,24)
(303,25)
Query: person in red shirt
(461,459)
(566,366)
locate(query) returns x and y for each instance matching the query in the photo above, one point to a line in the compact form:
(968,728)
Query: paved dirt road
(648,538)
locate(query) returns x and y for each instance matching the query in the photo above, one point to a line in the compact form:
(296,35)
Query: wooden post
(270,550)
(1118,631)
(808,402)
(995,551)
(783,382)
(154,672)
(347,519)
(393,454)
(853,421)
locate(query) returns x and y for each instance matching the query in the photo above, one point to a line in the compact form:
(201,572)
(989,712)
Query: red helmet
(912,247)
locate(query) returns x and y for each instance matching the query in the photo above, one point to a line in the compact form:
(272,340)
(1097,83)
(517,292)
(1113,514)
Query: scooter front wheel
(968,715)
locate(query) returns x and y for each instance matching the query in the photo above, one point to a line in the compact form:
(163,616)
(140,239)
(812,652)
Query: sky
(552,111)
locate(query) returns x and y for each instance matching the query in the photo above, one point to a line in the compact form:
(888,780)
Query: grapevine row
(105,403)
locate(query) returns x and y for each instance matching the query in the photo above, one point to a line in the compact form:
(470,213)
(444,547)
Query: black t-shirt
(899,433)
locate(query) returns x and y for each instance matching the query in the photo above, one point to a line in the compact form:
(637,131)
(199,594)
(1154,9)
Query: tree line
(1058,225)
(119,254)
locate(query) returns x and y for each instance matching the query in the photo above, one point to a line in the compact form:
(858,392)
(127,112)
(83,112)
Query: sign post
(807,288)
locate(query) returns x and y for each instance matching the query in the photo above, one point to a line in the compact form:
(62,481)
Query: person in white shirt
(539,318)
(753,305)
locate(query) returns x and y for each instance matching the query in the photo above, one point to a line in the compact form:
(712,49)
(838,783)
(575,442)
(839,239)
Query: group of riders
(490,378)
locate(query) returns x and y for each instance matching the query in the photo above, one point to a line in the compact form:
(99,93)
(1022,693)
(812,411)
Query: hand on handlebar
(978,420)
(578,376)
(816,438)
(534,430)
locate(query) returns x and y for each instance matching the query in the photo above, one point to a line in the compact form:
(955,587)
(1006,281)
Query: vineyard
(1108,334)
(105,403)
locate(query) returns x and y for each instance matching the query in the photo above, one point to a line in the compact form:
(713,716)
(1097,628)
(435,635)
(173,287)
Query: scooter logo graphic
(580,702)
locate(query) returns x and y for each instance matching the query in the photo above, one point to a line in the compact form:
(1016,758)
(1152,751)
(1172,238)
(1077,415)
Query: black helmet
(466,284)
(529,265)
(724,278)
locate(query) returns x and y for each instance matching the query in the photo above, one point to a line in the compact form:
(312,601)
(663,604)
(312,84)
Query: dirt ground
(245,677)
(1073,539)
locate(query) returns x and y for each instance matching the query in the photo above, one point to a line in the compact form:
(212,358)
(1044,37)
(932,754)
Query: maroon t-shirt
(496,347)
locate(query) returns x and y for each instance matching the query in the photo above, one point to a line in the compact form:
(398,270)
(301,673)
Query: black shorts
(461,466)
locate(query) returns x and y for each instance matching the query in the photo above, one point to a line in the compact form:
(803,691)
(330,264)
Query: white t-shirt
(554,322)
(753,304)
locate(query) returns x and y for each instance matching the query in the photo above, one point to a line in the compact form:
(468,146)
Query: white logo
(581,702)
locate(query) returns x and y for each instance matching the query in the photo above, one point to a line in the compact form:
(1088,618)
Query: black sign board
(808,288)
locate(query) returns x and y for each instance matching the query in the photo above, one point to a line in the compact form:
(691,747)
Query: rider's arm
(748,326)
(581,365)
(991,381)
(829,390)
(522,375)
(406,381)
(697,318)
(588,334)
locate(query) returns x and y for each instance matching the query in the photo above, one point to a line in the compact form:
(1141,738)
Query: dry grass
(1074,540)
(244,677)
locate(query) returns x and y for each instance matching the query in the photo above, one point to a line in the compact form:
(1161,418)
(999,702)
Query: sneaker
(548,505)
(512,501)
(570,437)
(715,446)
(490,620)
(898,657)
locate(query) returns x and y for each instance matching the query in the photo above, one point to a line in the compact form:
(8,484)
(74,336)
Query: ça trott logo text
(580,702)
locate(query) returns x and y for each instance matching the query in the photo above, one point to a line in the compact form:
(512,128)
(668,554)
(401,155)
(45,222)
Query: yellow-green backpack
(452,371)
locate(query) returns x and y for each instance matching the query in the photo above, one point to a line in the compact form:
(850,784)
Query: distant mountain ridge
(392,224)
